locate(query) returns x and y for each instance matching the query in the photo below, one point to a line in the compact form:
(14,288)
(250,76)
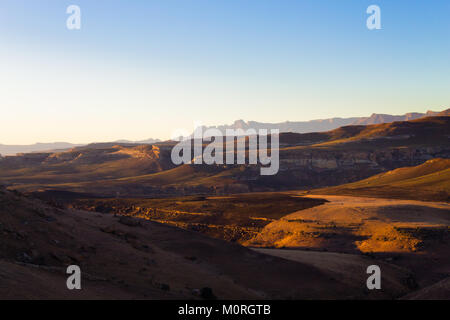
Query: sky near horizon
(143,69)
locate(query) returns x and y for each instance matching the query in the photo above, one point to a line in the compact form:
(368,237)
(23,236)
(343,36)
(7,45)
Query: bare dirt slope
(413,234)
(350,269)
(126,258)
(437,291)
(374,225)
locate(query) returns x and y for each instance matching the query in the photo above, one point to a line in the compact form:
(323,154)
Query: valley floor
(320,252)
(409,240)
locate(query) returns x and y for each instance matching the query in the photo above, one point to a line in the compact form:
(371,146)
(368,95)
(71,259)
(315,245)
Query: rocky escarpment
(306,168)
(84,164)
(299,169)
(306,161)
(303,169)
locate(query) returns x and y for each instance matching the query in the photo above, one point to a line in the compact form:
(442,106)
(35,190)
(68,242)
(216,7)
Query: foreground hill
(437,291)
(127,258)
(428,181)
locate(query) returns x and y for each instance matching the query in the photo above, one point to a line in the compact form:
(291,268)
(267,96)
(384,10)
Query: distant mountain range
(320,125)
(7,150)
(37,147)
(147,141)
(327,124)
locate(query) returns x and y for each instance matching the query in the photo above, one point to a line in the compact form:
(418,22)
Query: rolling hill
(428,181)
(411,234)
(93,162)
(127,258)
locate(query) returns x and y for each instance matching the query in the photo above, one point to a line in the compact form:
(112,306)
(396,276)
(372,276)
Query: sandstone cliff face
(382,159)
(316,168)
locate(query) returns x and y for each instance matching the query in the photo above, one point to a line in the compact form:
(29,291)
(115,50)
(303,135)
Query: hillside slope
(90,163)
(425,131)
(413,234)
(428,181)
(124,258)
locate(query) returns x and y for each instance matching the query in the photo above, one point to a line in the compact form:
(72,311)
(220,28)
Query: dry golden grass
(429,181)
(350,224)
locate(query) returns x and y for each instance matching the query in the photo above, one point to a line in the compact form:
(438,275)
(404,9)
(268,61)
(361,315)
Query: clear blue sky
(141,69)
